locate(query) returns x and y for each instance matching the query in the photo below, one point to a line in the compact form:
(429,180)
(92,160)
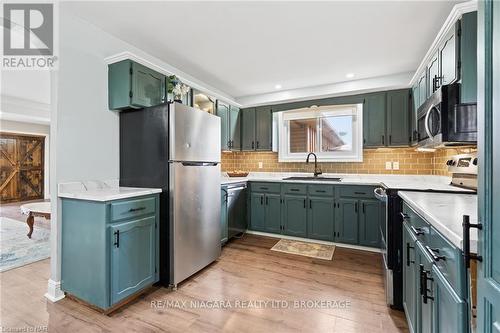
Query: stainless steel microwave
(443,121)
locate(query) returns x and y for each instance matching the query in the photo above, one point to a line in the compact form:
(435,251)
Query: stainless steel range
(464,170)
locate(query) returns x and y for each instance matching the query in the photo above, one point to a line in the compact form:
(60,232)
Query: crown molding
(38,113)
(170,70)
(455,14)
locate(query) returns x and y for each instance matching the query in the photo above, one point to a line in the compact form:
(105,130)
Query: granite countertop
(444,211)
(101,191)
(397,182)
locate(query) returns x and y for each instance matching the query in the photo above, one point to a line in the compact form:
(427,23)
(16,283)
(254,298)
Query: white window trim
(356,155)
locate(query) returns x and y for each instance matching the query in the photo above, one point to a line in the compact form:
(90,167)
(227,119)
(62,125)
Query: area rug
(16,249)
(313,250)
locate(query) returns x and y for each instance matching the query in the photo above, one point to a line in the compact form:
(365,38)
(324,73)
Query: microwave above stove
(443,121)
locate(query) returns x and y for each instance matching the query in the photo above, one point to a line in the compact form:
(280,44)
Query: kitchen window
(334,133)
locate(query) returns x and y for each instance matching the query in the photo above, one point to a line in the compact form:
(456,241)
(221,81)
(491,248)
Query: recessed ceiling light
(349,75)
(278,86)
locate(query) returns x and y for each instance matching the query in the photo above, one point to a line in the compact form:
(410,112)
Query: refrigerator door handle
(199,163)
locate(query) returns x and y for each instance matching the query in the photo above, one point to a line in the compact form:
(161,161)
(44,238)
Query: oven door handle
(426,122)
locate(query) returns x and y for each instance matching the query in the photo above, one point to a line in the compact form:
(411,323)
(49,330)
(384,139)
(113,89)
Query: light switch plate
(260,165)
(395,165)
(388,165)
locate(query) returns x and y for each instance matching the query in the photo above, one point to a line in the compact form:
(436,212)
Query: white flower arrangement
(180,90)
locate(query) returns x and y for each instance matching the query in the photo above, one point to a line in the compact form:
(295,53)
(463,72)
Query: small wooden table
(41,209)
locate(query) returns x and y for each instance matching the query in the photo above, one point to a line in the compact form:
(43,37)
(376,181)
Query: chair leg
(30,221)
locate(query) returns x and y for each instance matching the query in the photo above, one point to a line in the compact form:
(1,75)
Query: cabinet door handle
(356,207)
(261,199)
(310,204)
(267,200)
(433,254)
(423,284)
(417,231)
(404,216)
(390,139)
(257,145)
(253,145)
(466,225)
(363,207)
(408,261)
(294,190)
(117,238)
(383,139)
(304,203)
(136,209)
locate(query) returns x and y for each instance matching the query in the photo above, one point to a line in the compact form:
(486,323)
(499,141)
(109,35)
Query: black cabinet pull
(423,284)
(136,209)
(320,191)
(417,231)
(310,204)
(117,238)
(363,207)
(404,216)
(294,190)
(363,193)
(267,200)
(264,188)
(390,139)
(466,225)
(257,145)
(253,145)
(261,199)
(433,254)
(356,207)
(383,139)
(304,203)
(408,261)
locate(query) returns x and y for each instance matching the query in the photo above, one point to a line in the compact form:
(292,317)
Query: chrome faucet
(317,172)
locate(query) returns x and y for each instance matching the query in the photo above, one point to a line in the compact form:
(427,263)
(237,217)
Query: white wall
(35,129)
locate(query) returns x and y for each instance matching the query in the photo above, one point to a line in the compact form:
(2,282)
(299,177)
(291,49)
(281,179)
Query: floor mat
(313,250)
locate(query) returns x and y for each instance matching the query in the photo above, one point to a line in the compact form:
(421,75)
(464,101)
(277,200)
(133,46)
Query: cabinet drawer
(418,227)
(132,208)
(448,259)
(294,188)
(356,191)
(321,190)
(266,187)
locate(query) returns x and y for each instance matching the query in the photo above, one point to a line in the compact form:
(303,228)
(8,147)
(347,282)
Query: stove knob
(453,163)
(474,161)
(449,162)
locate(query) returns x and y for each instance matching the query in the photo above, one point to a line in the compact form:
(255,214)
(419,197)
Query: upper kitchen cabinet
(448,58)
(132,85)
(468,58)
(203,102)
(230,126)
(374,123)
(256,128)
(398,133)
(386,119)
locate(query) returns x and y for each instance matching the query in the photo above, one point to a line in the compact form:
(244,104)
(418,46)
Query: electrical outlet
(395,165)
(388,165)
(260,165)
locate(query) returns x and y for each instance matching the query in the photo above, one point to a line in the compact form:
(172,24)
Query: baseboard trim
(309,240)
(54,291)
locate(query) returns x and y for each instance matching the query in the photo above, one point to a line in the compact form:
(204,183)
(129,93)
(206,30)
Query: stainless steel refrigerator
(177,148)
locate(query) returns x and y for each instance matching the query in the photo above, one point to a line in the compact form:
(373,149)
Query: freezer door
(194,135)
(195,218)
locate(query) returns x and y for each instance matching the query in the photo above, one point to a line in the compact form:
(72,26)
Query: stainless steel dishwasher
(236,209)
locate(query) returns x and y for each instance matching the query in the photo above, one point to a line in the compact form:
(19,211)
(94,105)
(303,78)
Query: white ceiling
(246,48)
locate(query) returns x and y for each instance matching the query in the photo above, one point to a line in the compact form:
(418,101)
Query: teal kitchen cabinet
(422,88)
(468,58)
(132,85)
(295,215)
(223,215)
(109,249)
(433,74)
(230,119)
(374,120)
(223,113)
(133,256)
(257,212)
(346,221)
(410,293)
(272,219)
(248,129)
(256,129)
(369,222)
(450,310)
(321,218)
(448,57)
(234,133)
(398,132)
(425,288)
(263,128)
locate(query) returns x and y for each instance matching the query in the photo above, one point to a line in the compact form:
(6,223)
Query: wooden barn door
(21,167)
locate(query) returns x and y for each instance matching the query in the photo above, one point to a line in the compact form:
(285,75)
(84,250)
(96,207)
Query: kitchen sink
(324,179)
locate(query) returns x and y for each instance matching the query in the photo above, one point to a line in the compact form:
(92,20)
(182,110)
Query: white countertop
(101,191)
(401,182)
(445,211)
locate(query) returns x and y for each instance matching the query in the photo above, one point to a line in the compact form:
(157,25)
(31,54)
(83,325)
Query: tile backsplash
(374,161)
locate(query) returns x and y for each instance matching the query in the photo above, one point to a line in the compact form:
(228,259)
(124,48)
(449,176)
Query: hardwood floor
(247,271)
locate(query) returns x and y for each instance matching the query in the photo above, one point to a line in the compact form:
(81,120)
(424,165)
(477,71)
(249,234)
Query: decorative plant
(176,87)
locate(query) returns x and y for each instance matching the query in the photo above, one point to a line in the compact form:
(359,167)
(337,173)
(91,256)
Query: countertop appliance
(177,148)
(443,121)
(464,170)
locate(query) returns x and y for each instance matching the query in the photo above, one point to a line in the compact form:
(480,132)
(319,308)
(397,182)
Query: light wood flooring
(246,271)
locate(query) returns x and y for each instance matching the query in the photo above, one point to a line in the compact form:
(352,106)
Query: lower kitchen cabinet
(346,226)
(266,212)
(425,290)
(410,282)
(257,212)
(369,222)
(295,215)
(321,218)
(109,249)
